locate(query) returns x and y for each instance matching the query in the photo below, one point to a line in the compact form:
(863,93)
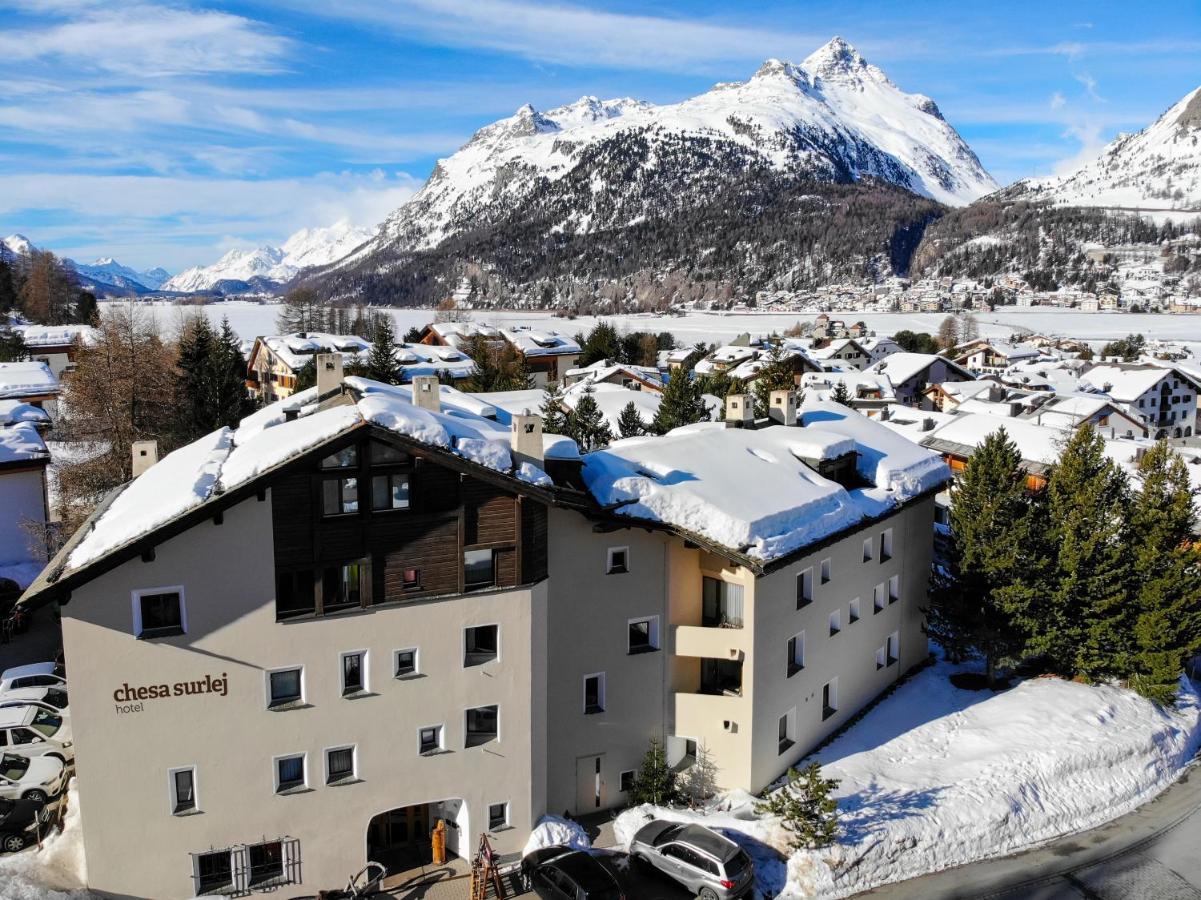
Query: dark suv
(17,818)
(561,873)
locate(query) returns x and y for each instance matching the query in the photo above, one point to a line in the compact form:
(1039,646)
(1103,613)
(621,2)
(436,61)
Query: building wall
(22,497)
(136,847)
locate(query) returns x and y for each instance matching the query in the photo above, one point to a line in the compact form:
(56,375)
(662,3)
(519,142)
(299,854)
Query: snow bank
(553,831)
(56,871)
(936,777)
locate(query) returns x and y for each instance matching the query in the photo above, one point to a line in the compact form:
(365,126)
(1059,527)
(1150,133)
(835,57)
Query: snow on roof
(900,367)
(17,411)
(540,343)
(21,442)
(1124,383)
(823,384)
(297,349)
(57,335)
(963,390)
(26,379)
(747,489)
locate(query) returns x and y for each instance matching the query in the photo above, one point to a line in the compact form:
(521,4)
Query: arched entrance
(400,838)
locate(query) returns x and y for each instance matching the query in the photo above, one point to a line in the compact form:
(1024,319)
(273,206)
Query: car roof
(41,668)
(584,870)
(716,845)
(17,715)
(34,692)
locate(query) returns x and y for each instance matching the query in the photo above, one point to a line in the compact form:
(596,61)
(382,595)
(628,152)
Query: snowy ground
(55,872)
(936,777)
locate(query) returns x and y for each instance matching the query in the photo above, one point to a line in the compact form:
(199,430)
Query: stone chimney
(526,438)
(329,373)
(782,409)
(740,410)
(145,455)
(427,393)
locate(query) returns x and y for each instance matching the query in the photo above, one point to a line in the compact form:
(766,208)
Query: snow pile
(532,474)
(179,482)
(21,441)
(57,871)
(553,831)
(404,418)
(493,454)
(936,777)
(275,446)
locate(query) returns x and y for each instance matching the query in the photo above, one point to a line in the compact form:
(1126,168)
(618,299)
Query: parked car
(17,821)
(37,778)
(561,873)
(33,731)
(43,674)
(708,864)
(53,698)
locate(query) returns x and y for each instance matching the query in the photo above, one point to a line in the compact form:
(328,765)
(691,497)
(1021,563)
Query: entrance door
(400,838)
(590,787)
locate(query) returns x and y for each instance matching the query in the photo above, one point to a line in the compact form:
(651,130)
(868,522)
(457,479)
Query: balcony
(712,643)
(706,715)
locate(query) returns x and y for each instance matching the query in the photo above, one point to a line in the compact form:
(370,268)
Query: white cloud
(1058,101)
(1089,134)
(1090,85)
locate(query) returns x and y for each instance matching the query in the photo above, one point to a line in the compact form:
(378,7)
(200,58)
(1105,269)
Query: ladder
(484,872)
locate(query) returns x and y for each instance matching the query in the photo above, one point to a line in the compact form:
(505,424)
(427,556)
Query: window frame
(364,673)
(869,549)
(354,765)
(786,743)
(495,657)
(439,744)
(391,476)
(624,568)
(827,571)
(340,481)
(396,673)
(892,651)
(139,631)
(804,587)
(504,805)
(835,622)
(794,643)
(853,611)
(283,705)
(303,785)
(886,546)
(467,733)
(470,587)
(600,694)
(173,792)
(830,692)
(879,598)
(894,589)
(653,639)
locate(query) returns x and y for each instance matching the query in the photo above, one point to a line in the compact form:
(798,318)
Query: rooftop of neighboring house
(1007,351)
(14,411)
(294,350)
(965,390)
(835,346)
(823,384)
(39,336)
(21,442)
(901,367)
(528,341)
(725,357)
(1060,375)
(606,368)
(26,379)
(1126,383)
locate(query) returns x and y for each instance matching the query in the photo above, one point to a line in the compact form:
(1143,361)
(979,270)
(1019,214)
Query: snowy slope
(1158,168)
(17,245)
(833,117)
(307,247)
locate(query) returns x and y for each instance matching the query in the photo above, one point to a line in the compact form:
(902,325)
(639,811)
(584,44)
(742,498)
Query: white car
(53,699)
(43,674)
(32,731)
(38,779)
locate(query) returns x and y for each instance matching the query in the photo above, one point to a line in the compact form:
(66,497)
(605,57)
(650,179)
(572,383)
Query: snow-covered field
(936,777)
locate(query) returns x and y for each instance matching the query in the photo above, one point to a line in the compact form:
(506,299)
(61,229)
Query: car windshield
(46,723)
(14,767)
(737,864)
(668,835)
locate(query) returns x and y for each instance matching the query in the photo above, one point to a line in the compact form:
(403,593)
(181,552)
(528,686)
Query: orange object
(439,843)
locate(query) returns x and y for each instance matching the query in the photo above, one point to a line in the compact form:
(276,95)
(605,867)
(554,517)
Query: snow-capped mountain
(1158,168)
(107,271)
(269,265)
(15,245)
(833,117)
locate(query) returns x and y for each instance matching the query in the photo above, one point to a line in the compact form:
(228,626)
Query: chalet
(878,347)
(911,373)
(548,354)
(30,383)
(1164,398)
(845,353)
(634,378)
(985,357)
(57,346)
(358,614)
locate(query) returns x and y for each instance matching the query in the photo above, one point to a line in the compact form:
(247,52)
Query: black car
(561,873)
(17,818)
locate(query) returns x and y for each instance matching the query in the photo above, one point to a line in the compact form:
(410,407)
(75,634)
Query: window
(644,635)
(479,569)
(625,781)
(386,454)
(618,561)
(594,693)
(886,545)
(390,491)
(214,872)
(354,673)
(290,773)
(894,647)
(346,458)
(826,571)
(339,496)
(339,765)
(786,735)
(853,611)
(835,622)
(429,739)
(159,612)
(183,791)
(406,662)
(342,587)
(294,594)
(721,603)
(266,863)
(880,658)
(796,653)
(894,589)
(498,816)
(879,595)
(867,550)
(482,725)
(804,588)
(829,698)
(285,688)
(482,644)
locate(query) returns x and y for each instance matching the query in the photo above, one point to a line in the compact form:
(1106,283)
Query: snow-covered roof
(26,379)
(823,384)
(18,411)
(541,342)
(21,442)
(603,369)
(1124,383)
(36,336)
(900,367)
(294,350)
(748,490)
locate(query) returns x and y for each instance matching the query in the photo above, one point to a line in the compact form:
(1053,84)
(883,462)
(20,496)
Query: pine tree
(87,312)
(381,359)
(413,335)
(1087,628)
(775,375)
(602,343)
(806,809)
(194,388)
(654,782)
(978,602)
(682,404)
(629,423)
(554,420)
(231,402)
(12,344)
(840,393)
(586,423)
(1165,584)
(8,288)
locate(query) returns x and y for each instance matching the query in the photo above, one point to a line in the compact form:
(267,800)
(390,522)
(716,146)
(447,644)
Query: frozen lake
(250,320)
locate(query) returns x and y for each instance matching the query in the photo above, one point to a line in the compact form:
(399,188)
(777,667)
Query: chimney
(740,410)
(329,373)
(927,424)
(782,409)
(526,438)
(427,393)
(145,455)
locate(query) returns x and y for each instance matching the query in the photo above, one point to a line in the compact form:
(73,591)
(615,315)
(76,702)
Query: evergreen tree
(8,288)
(654,782)
(775,375)
(306,376)
(806,810)
(1165,583)
(629,423)
(231,402)
(554,420)
(86,310)
(602,343)
(840,394)
(381,359)
(1087,626)
(979,601)
(682,404)
(194,388)
(12,345)
(414,335)
(586,423)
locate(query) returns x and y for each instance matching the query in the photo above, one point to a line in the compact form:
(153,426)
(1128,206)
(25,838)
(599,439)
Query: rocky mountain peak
(1190,116)
(835,58)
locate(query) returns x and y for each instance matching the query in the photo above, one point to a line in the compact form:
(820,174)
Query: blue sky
(164,133)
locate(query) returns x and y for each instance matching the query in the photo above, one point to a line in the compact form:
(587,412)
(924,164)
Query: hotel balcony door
(590,786)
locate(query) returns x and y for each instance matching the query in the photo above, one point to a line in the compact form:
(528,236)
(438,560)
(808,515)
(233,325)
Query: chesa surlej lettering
(132,699)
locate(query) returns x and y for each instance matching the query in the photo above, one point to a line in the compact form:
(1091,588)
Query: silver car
(710,865)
